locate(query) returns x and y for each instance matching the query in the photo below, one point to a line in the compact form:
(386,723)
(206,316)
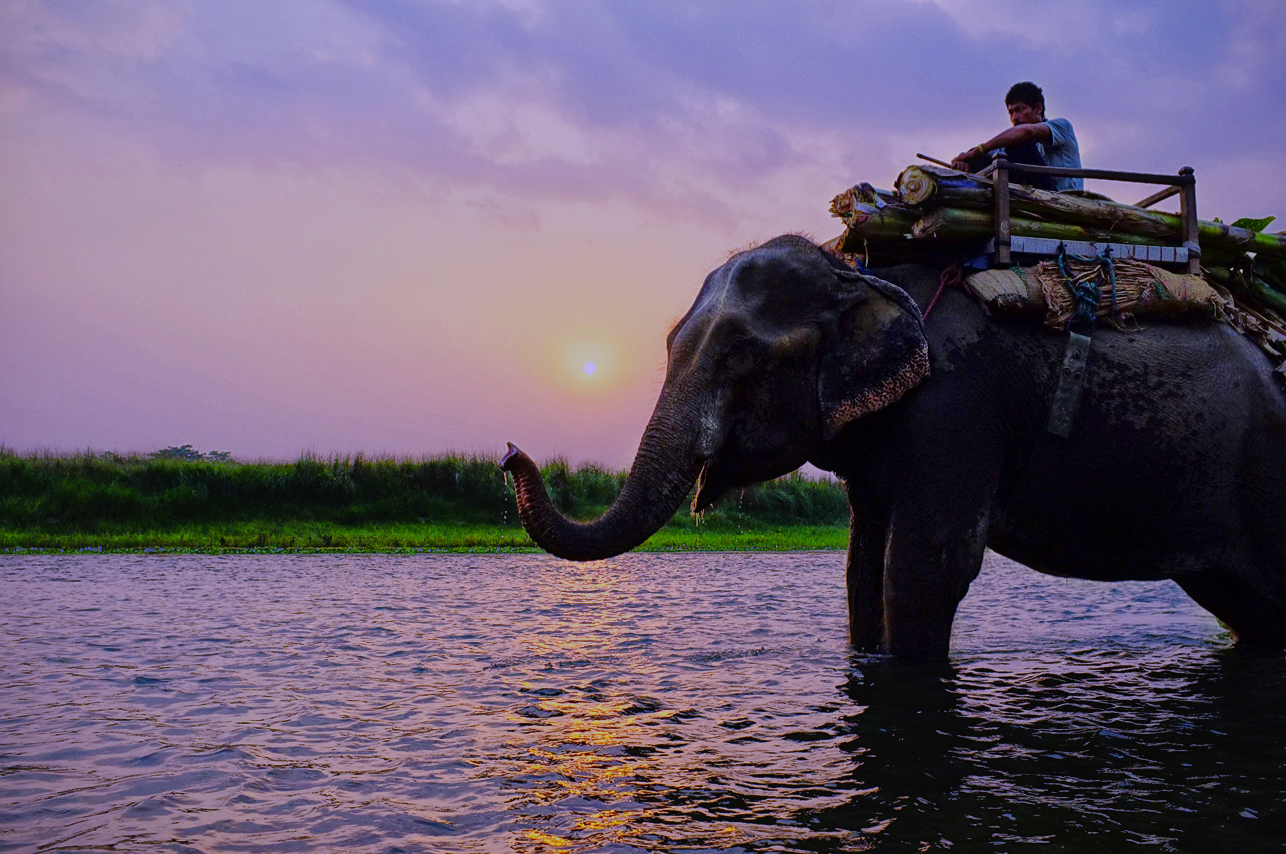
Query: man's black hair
(1026,93)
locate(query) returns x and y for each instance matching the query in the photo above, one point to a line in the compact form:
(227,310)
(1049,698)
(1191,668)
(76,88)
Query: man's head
(1026,103)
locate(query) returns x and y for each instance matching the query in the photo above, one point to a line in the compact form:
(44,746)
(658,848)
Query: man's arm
(1009,136)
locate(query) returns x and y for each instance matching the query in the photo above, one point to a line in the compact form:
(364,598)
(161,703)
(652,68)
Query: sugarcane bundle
(929,187)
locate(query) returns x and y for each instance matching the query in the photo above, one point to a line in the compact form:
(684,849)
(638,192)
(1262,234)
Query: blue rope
(1087,295)
(1105,260)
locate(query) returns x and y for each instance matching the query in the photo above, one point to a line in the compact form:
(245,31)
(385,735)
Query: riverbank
(113,503)
(253,538)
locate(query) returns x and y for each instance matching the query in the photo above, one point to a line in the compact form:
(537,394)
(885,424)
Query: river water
(656,702)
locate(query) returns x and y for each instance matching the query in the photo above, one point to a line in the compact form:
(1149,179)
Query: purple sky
(404,227)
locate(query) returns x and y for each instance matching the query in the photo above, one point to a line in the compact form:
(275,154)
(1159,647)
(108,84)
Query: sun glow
(585,364)
(592,363)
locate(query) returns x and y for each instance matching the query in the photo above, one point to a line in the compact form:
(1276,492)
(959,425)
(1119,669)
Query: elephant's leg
(865,579)
(1254,619)
(928,566)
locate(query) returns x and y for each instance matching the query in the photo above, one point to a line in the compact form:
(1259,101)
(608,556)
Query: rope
(950,276)
(1105,260)
(1086,289)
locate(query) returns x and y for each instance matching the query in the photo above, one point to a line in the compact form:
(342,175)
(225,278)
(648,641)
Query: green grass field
(112,503)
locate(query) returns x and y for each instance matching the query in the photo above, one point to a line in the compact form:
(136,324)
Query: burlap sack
(1128,289)
(1015,292)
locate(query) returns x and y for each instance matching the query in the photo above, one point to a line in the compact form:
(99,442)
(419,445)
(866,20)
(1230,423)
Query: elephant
(1175,467)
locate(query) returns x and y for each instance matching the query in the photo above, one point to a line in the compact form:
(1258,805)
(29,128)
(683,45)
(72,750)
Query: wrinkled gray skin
(1176,466)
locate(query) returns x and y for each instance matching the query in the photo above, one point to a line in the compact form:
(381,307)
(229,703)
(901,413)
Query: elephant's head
(783,347)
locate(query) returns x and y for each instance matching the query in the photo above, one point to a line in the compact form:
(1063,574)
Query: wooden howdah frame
(1005,245)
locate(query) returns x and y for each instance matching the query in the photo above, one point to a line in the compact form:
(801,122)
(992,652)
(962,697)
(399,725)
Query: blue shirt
(1063,152)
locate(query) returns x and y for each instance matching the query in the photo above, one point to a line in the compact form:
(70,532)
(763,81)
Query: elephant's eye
(739,358)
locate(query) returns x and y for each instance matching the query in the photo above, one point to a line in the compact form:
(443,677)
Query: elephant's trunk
(664,470)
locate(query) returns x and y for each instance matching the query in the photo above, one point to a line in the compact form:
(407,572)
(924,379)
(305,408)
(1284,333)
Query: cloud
(596,99)
(576,97)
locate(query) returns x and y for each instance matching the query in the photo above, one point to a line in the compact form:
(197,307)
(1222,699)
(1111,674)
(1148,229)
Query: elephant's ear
(874,351)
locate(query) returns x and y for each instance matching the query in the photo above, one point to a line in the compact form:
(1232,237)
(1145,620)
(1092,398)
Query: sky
(406,227)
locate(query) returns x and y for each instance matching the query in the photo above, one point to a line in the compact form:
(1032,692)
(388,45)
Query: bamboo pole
(1221,236)
(861,194)
(880,235)
(917,184)
(963,224)
(872,223)
(920,185)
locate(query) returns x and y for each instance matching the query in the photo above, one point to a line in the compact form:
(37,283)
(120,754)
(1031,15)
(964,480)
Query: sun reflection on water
(599,762)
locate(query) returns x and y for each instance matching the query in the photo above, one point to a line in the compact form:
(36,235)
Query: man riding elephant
(1033,140)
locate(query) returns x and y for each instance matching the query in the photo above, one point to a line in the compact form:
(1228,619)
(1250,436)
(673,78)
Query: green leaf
(1253,224)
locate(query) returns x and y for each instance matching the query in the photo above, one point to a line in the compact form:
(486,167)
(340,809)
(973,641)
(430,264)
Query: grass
(109,502)
(294,537)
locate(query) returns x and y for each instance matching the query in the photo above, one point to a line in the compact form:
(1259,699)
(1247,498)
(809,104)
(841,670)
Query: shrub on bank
(111,492)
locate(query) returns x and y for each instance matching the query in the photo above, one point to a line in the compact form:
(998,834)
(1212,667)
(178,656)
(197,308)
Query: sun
(589,363)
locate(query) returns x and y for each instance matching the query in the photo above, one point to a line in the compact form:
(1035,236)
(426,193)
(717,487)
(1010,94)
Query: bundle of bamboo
(935,212)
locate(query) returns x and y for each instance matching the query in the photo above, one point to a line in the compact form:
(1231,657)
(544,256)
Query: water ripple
(647,703)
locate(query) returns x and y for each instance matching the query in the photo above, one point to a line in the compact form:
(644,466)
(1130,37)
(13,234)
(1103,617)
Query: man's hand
(961,160)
